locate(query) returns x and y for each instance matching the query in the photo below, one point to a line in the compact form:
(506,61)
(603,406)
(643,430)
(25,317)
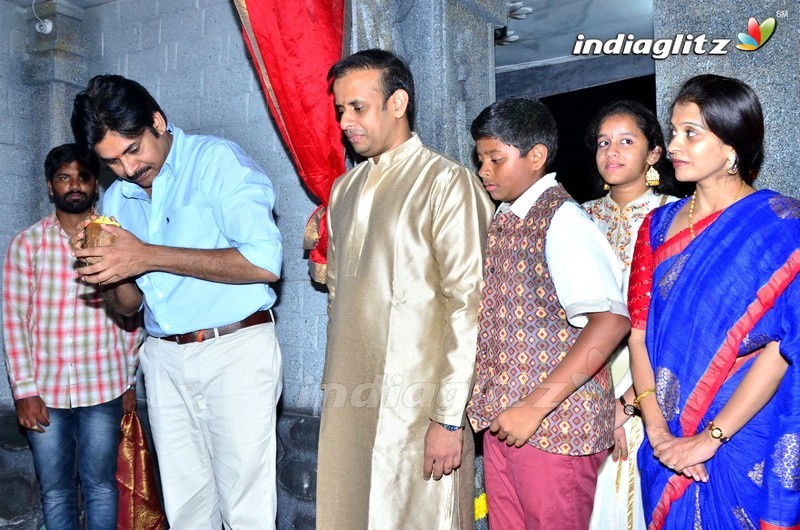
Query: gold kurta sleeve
(405,261)
(330,269)
(458,244)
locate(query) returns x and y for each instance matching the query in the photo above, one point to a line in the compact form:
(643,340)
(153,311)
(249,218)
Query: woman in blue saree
(717,371)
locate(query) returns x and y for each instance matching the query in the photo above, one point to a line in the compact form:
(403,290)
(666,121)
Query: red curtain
(293,43)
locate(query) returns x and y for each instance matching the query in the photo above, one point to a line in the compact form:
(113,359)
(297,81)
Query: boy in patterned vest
(551,314)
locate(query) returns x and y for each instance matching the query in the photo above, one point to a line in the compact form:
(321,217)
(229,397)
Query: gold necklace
(691,207)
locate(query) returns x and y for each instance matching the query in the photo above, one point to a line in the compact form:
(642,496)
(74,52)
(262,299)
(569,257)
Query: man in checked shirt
(71,361)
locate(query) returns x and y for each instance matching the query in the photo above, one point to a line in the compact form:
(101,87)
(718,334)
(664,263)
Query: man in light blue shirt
(198,249)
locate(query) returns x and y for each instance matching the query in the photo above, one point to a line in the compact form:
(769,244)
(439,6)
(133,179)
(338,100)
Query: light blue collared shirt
(209,194)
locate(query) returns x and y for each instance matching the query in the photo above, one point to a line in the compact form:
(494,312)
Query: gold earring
(733,165)
(652,177)
(606,187)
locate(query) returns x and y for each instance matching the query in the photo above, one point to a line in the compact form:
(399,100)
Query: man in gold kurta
(407,230)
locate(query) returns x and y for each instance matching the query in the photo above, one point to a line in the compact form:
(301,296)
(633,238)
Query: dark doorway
(573,111)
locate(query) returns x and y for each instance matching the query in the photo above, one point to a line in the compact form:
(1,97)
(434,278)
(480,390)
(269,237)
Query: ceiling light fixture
(515,10)
(43,26)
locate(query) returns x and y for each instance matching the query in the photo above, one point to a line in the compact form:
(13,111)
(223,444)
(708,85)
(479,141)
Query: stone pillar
(55,71)
(450,49)
(770,70)
(17,131)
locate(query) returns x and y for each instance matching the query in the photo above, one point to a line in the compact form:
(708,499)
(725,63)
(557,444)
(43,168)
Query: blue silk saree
(716,301)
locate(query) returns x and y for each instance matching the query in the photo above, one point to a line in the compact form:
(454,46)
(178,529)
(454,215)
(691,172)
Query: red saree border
(678,483)
(718,372)
(700,399)
(677,243)
(769,526)
(674,490)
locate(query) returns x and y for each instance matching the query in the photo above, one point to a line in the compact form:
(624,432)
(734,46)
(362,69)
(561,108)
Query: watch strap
(628,408)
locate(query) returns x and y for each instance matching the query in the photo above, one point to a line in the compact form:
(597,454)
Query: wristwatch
(628,408)
(716,433)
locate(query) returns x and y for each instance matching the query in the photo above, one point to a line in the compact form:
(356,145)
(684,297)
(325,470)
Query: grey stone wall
(21,177)
(23,202)
(771,71)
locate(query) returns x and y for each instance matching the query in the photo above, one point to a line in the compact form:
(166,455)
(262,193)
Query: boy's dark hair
(648,125)
(519,122)
(66,154)
(732,112)
(395,74)
(112,103)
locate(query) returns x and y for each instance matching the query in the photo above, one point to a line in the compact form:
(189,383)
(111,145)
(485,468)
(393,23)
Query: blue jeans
(92,435)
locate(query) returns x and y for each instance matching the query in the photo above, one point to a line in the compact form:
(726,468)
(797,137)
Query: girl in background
(629,151)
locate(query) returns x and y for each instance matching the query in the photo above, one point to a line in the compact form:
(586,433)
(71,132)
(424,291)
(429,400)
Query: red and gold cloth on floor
(139,503)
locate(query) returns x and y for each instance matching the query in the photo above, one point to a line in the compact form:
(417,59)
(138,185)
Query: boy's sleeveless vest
(524,334)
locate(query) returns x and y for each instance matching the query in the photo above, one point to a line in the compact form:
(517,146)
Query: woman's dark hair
(66,154)
(520,122)
(395,74)
(112,103)
(648,124)
(730,110)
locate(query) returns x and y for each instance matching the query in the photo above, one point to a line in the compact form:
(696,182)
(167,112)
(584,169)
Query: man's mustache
(139,173)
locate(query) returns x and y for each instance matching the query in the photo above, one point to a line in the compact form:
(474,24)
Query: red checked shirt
(60,342)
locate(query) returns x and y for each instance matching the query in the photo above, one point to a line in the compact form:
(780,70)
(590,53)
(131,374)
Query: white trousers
(212,412)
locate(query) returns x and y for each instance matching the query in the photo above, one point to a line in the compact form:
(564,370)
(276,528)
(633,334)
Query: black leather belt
(259,317)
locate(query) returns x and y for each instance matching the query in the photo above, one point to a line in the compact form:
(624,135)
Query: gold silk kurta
(405,258)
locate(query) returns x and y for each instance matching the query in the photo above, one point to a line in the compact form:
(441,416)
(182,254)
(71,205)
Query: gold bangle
(641,396)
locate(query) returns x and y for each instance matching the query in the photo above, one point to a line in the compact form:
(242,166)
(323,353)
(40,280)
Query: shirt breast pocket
(191,226)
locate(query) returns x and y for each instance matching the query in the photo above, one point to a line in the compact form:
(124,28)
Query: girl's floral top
(620,225)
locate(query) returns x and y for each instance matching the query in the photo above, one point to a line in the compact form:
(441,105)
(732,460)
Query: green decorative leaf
(767,28)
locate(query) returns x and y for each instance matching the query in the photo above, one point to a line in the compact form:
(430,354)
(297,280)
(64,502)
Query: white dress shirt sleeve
(584,269)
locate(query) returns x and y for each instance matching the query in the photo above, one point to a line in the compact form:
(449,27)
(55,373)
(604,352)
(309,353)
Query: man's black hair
(520,122)
(66,154)
(395,74)
(112,103)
